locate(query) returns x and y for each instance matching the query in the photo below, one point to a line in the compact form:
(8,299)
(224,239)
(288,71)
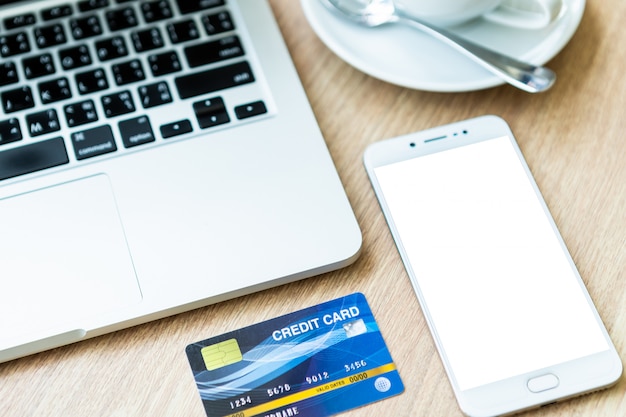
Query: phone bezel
(576,377)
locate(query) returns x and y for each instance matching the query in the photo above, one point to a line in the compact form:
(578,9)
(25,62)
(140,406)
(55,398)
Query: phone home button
(543,383)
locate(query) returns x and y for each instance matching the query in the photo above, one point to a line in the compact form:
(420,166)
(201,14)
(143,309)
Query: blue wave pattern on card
(315,362)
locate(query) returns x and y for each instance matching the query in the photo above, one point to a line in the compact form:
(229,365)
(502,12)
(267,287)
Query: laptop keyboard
(92,79)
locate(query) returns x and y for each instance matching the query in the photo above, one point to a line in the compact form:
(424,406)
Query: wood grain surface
(574,140)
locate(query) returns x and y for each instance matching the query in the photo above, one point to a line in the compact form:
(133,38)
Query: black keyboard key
(147,40)
(85,27)
(250,110)
(32,158)
(54,90)
(154,11)
(121,19)
(87,5)
(191,6)
(213,51)
(180,127)
(75,57)
(47,36)
(208,81)
(128,72)
(38,66)
(93,142)
(8,73)
(136,131)
(165,63)
(19,21)
(80,113)
(118,104)
(154,94)
(42,122)
(183,31)
(56,12)
(111,48)
(14,44)
(10,131)
(218,23)
(17,99)
(91,81)
(211,112)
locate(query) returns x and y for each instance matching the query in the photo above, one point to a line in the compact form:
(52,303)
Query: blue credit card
(317,362)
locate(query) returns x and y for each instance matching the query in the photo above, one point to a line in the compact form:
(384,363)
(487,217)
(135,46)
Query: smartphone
(509,313)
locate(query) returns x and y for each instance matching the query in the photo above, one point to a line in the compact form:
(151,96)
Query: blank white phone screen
(501,294)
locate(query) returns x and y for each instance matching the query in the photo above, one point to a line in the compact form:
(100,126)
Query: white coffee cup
(527,14)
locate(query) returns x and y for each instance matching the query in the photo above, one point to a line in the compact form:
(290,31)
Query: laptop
(156,156)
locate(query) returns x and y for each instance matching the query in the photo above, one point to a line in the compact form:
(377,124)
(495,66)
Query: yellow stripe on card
(314,392)
(221,354)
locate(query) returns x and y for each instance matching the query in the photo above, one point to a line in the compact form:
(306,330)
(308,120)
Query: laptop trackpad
(64,260)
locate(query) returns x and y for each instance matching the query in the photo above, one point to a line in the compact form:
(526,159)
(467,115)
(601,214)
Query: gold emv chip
(221,354)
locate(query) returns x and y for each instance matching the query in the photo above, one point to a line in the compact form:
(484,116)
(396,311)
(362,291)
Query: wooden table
(574,139)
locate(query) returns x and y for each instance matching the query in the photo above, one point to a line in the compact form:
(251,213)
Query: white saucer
(404,56)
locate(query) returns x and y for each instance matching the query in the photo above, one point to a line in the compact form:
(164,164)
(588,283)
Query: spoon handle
(530,78)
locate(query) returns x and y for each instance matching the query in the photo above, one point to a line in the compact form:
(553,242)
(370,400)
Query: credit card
(319,361)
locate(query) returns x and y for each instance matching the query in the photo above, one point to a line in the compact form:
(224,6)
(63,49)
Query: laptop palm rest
(64,264)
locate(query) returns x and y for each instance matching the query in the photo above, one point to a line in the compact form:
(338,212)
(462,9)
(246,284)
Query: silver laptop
(155,156)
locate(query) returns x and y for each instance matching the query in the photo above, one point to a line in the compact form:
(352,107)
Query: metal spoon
(371,13)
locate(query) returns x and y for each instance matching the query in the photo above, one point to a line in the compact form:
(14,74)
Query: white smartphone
(510,315)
